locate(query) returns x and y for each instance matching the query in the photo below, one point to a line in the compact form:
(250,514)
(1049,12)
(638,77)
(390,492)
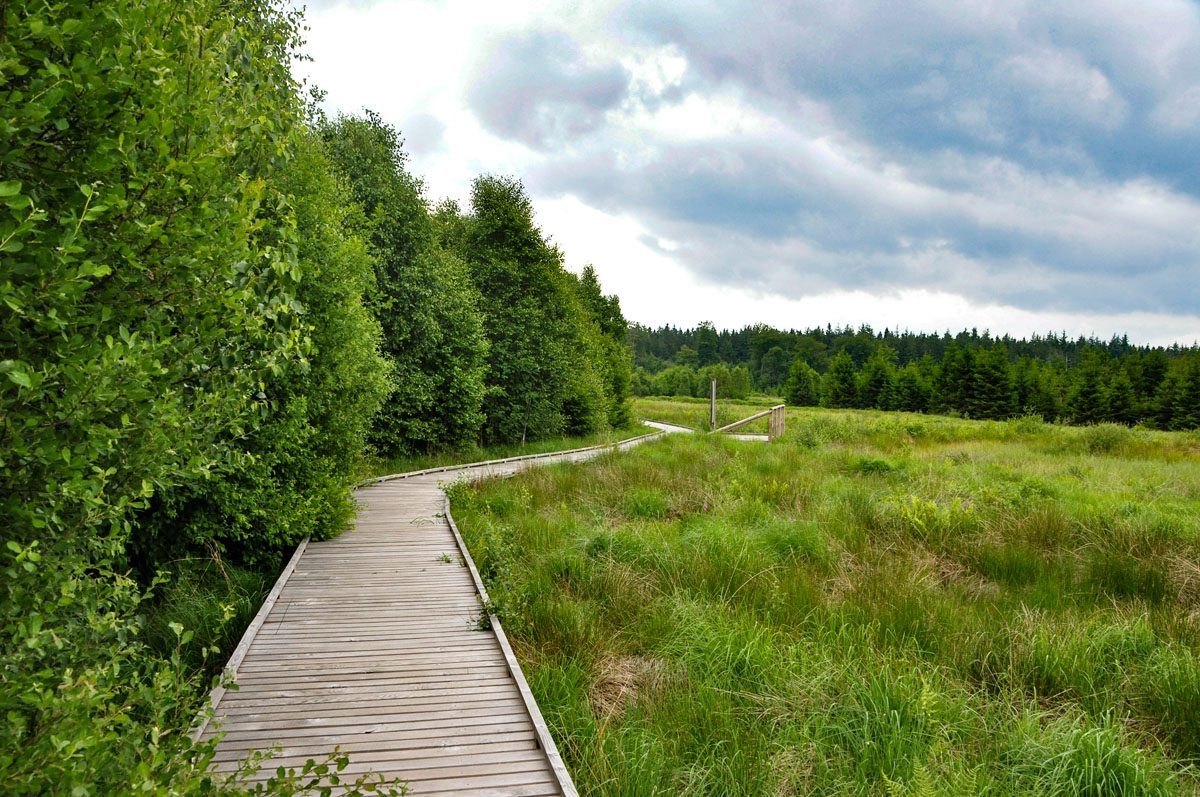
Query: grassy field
(877,603)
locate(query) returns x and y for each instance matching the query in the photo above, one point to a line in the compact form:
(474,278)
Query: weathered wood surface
(370,642)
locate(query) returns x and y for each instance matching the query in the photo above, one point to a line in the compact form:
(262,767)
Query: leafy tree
(773,371)
(426,303)
(839,388)
(615,362)
(151,296)
(739,382)
(687,356)
(803,388)
(300,458)
(812,351)
(541,377)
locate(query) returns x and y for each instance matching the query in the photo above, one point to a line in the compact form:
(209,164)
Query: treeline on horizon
(1072,380)
(215,300)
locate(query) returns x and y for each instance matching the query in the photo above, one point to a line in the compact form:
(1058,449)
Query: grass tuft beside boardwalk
(877,603)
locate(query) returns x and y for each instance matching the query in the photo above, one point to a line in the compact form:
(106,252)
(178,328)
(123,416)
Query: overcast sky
(1017,166)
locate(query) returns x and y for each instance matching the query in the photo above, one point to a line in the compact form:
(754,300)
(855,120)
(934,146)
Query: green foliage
(839,388)
(877,381)
(155,318)
(803,388)
(971,374)
(556,361)
(312,428)
(425,301)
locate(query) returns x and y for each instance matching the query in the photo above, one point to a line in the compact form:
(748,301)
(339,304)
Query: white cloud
(820,112)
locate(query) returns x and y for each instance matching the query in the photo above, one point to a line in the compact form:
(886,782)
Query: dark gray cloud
(538,87)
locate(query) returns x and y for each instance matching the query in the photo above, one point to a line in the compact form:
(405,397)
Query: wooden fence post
(712,406)
(775,424)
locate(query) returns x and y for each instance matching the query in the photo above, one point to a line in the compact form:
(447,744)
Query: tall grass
(877,603)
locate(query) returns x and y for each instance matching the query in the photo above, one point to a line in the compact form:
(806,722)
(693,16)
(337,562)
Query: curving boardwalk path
(370,642)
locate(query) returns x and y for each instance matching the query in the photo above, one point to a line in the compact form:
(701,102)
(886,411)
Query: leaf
(10,187)
(21,378)
(176,627)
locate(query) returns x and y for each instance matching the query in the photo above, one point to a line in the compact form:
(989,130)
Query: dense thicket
(557,361)
(432,327)
(1080,380)
(206,294)
(164,341)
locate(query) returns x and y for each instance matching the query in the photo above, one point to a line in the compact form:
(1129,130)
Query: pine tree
(1186,413)
(877,382)
(1120,403)
(840,386)
(992,395)
(954,379)
(913,393)
(706,343)
(803,385)
(1085,402)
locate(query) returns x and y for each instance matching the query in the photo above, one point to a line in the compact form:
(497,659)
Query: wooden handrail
(736,424)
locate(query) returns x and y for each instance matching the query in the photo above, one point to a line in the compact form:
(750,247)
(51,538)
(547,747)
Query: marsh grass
(875,604)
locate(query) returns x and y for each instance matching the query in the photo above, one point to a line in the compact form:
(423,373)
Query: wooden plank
(239,653)
(736,424)
(367,642)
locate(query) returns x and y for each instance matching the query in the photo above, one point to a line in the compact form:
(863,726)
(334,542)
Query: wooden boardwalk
(370,642)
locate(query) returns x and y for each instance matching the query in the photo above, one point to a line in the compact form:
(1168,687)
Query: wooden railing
(775,423)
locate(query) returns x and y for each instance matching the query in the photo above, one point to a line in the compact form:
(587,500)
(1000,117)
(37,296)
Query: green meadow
(876,603)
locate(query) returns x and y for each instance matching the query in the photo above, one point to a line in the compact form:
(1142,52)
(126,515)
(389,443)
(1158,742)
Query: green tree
(1085,401)
(992,393)
(803,388)
(426,303)
(913,393)
(616,363)
(542,377)
(150,295)
(877,381)
(706,343)
(839,387)
(954,379)
(1186,411)
(774,369)
(1120,403)
(739,382)
(301,457)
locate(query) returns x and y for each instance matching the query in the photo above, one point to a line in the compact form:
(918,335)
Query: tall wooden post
(712,406)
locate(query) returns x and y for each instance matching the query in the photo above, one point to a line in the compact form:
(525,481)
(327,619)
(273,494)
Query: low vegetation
(875,603)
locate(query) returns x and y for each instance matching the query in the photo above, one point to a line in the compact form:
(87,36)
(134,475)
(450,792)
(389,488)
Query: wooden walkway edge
(370,642)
